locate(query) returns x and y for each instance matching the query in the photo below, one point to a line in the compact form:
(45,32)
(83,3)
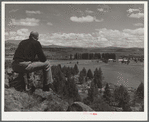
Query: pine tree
(140,91)
(107,93)
(81,77)
(89,74)
(59,81)
(68,72)
(84,72)
(93,91)
(76,70)
(98,77)
(72,90)
(122,96)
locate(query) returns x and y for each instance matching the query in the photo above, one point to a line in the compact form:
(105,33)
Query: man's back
(27,51)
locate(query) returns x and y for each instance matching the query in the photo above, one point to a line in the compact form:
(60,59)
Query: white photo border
(88,116)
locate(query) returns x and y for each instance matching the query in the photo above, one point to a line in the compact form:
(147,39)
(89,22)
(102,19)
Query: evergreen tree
(81,77)
(122,96)
(59,65)
(140,91)
(59,82)
(84,72)
(98,77)
(92,92)
(107,93)
(68,72)
(72,90)
(76,70)
(89,74)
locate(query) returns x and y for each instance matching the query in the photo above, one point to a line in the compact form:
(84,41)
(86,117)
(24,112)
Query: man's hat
(34,35)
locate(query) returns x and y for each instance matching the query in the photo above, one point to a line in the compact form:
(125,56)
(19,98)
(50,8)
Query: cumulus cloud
(101,38)
(124,38)
(136,15)
(100,9)
(18,35)
(49,23)
(33,12)
(13,10)
(103,8)
(25,22)
(89,11)
(84,19)
(22,32)
(138,24)
(130,10)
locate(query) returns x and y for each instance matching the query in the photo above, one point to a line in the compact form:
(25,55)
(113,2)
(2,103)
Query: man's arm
(40,53)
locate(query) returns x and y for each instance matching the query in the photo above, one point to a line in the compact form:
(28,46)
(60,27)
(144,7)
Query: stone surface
(79,106)
(22,101)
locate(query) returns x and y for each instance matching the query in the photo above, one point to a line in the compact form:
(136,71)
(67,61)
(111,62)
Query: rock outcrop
(38,101)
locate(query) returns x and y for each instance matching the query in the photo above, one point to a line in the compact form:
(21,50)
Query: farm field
(116,73)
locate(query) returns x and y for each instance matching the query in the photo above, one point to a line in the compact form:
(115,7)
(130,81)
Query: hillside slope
(38,101)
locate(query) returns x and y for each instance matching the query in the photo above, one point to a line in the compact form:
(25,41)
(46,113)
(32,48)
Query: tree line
(95,56)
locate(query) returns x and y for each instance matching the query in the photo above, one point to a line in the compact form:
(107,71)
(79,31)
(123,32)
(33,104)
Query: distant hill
(65,51)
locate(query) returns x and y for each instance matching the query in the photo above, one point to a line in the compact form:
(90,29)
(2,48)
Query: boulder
(79,106)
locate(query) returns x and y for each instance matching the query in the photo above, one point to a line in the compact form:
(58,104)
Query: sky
(77,25)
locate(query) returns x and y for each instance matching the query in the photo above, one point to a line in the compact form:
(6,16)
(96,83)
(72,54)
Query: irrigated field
(116,73)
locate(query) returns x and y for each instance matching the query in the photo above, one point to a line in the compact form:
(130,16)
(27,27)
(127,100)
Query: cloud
(49,23)
(103,8)
(33,12)
(124,38)
(100,9)
(96,20)
(133,10)
(138,24)
(25,22)
(22,32)
(68,39)
(136,15)
(84,19)
(13,10)
(138,31)
(18,35)
(101,38)
(89,11)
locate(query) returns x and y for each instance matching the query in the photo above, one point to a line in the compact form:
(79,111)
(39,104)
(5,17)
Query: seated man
(25,59)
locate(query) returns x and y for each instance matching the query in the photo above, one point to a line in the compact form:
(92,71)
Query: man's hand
(48,67)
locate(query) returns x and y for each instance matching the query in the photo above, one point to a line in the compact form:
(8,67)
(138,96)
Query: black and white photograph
(74,60)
